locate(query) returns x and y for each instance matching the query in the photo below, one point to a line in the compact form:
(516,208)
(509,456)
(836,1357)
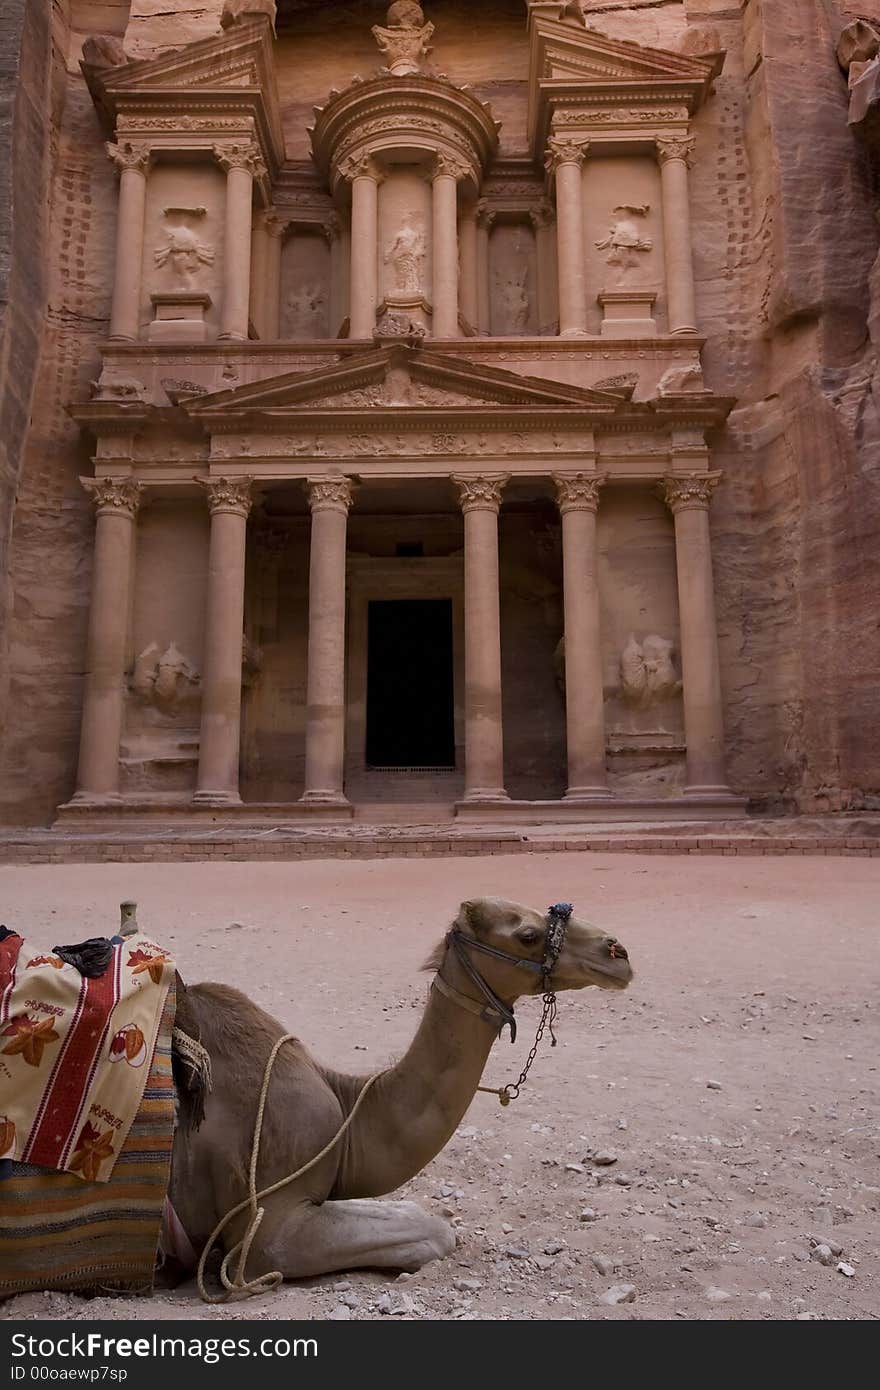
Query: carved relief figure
(306,311)
(647,672)
(624,242)
(406,41)
(406,255)
(512,299)
(184,253)
(165,680)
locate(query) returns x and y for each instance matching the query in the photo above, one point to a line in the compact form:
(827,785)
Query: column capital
(329,494)
(274,224)
(240,155)
(671,147)
(542,215)
(480,493)
(332,227)
(561,151)
(485,214)
(361,166)
(446,165)
(121,496)
(228,495)
(688,493)
(130,154)
(578,492)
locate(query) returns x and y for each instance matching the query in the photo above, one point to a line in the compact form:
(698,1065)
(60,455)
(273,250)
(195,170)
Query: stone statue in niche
(116,386)
(647,672)
(305,309)
(183,253)
(165,680)
(624,242)
(406,42)
(679,379)
(512,298)
(406,256)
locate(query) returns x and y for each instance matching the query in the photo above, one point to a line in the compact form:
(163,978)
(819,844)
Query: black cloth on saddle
(90,958)
(5,932)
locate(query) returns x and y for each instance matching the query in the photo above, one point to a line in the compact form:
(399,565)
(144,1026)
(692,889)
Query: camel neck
(415,1107)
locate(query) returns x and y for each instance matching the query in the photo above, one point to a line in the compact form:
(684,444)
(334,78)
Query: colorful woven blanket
(76,1041)
(58,1231)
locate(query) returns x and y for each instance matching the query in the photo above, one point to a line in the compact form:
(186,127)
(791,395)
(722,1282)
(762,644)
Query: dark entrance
(409,683)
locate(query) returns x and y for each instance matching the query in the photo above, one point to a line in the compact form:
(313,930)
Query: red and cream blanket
(75,1053)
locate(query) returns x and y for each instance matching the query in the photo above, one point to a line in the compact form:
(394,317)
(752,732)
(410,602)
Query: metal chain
(511,1091)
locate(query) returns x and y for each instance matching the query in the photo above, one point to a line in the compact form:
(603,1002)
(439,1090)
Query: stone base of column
(598,793)
(711,792)
(93,799)
(322,798)
(492,796)
(208,798)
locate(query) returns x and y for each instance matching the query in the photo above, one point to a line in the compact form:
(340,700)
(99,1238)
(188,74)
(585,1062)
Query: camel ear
(470,915)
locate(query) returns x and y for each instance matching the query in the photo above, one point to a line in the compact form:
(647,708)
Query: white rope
(263,1283)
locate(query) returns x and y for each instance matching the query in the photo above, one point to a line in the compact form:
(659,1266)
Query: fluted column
(566,160)
(229,501)
(241,164)
(484,739)
(329,499)
(578,498)
(133,162)
(365,177)
(688,500)
(485,219)
(446,175)
(543,220)
(674,154)
(468,256)
(116,501)
(276,227)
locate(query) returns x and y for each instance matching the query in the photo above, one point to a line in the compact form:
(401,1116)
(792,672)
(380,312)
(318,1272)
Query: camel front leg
(361,1233)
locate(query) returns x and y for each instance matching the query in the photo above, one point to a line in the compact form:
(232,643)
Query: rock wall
(784,201)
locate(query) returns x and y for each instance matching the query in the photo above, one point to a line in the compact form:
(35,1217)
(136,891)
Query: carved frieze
(406,444)
(623,115)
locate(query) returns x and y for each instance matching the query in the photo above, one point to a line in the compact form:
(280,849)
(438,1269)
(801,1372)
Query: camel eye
(528,937)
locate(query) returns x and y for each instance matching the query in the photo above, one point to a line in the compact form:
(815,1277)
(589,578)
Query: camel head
(588,956)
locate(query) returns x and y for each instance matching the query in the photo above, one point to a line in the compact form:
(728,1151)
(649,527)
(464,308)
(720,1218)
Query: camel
(329,1219)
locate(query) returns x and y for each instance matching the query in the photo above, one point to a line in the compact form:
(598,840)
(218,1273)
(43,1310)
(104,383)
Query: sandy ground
(757,975)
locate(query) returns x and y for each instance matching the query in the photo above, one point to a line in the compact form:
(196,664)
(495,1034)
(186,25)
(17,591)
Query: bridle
(494,1011)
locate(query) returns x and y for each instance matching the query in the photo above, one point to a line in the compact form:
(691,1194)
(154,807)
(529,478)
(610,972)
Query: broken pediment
(400,379)
(185,89)
(570,62)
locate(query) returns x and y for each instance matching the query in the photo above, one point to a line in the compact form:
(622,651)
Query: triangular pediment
(239,57)
(399,379)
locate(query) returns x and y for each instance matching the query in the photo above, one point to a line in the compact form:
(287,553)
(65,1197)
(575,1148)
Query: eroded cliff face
(786,241)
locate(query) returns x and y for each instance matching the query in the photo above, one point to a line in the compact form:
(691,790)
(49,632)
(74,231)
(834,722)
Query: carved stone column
(116,501)
(133,162)
(543,220)
(688,500)
(578,498)
(329,499)
(365,177)
(480,499)
(566,160)
(674,154)
(276,227)
(230,502)
(469,255)
(485,219)
(446,175)
(241,164)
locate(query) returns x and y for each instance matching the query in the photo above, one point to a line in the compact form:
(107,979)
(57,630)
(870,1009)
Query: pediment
(399,379)
(237,58)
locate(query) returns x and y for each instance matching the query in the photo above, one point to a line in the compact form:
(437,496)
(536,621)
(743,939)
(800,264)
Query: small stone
(603,1158)
(350,1300)
(543,1262)
(806,1317)
(603,1265)
(619,1293)
(588,1214)
(716,1295)
(831,1244)
(516,1252)
(506,1227)
(755,1219)
(554,1247)
(714,1086)
(622,1124)
(575,1168)
(844,1268)
(822,1253)
(622,1179)
(340,1314)
(467,1285)
(765,1296)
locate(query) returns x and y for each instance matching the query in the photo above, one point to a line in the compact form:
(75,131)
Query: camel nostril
(615,950)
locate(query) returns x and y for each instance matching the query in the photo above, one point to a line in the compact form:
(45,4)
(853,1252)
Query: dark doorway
(409,683)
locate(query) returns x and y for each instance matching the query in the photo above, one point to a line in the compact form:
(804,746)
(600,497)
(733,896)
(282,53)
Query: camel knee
(430,1238)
